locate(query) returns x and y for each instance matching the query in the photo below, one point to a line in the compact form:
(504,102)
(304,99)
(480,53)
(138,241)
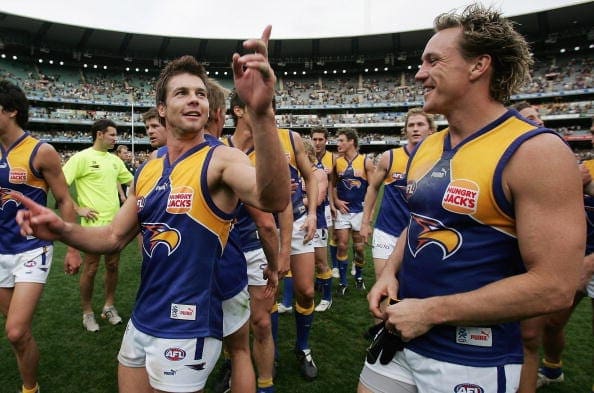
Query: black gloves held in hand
(385,343)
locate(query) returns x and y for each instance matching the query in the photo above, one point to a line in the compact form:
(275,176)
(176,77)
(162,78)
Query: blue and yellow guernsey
(393,214)
(184,234)
(18,175)
(589,204)
(351,181)
(462,236)
(288,145)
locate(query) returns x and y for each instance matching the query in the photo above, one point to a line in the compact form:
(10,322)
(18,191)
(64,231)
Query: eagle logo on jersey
(161,234)
(426,231)
(5,197)
(349,184)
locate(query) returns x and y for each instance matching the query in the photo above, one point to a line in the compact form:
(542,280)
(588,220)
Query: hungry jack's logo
(424,231)
(161,234)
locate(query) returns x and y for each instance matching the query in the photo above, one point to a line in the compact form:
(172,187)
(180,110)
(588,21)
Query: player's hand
(365,232)
(37,220)
(341,206)
(409,318)
(386,286)
(72,261)
(253,75)
(88,213)
(309,226)
(272,284)
(284,263)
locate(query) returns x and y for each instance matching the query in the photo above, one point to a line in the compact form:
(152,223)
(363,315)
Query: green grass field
(74,360)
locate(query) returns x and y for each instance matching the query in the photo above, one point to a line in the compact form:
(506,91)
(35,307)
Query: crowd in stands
(556,75)
(48,87)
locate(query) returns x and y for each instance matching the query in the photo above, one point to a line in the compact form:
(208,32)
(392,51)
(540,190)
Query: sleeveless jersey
(393,214)
(351,182)
(17,174)
(288,145)
(589,204)
(184,234)
(462,236)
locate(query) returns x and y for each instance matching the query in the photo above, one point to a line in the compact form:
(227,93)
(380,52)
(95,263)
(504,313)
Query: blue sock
(358,271)
(288,291)
(303,326)
(342,268)
(327,288)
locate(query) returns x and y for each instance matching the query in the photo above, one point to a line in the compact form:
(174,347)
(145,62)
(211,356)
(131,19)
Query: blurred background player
(350,177)
(320,240)
(260,245)
(393,215)
(96,173)
(31,168)
(155,130)
(319,139)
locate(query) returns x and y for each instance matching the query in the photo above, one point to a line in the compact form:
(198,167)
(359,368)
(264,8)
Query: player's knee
(262,327)
(18,335)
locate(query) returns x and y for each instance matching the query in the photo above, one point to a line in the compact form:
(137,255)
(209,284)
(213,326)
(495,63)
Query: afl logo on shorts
(175,354)
(30,264)
(468,388)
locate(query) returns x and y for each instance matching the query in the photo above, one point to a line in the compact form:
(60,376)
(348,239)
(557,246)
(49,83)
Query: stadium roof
(242,19)
(360,29)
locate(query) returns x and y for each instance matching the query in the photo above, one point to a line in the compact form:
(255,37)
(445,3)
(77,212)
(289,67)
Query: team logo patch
(468,388)
(476,336)
(180,200)
(17,176)
(163,234)
(5,197)
(349,184)
(425,231)
(174,354)
(461,196)
(185,312)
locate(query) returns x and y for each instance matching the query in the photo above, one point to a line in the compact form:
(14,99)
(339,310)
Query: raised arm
(254,82)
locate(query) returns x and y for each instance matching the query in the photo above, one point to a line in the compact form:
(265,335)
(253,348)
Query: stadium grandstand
(76,75)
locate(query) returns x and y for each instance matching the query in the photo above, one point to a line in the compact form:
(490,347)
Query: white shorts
(297,246)
(29,266)
(173,365)
(328,215)
(320,239)
(430,375)
(382,244)
(236,312)
(348,221)
(256,263)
